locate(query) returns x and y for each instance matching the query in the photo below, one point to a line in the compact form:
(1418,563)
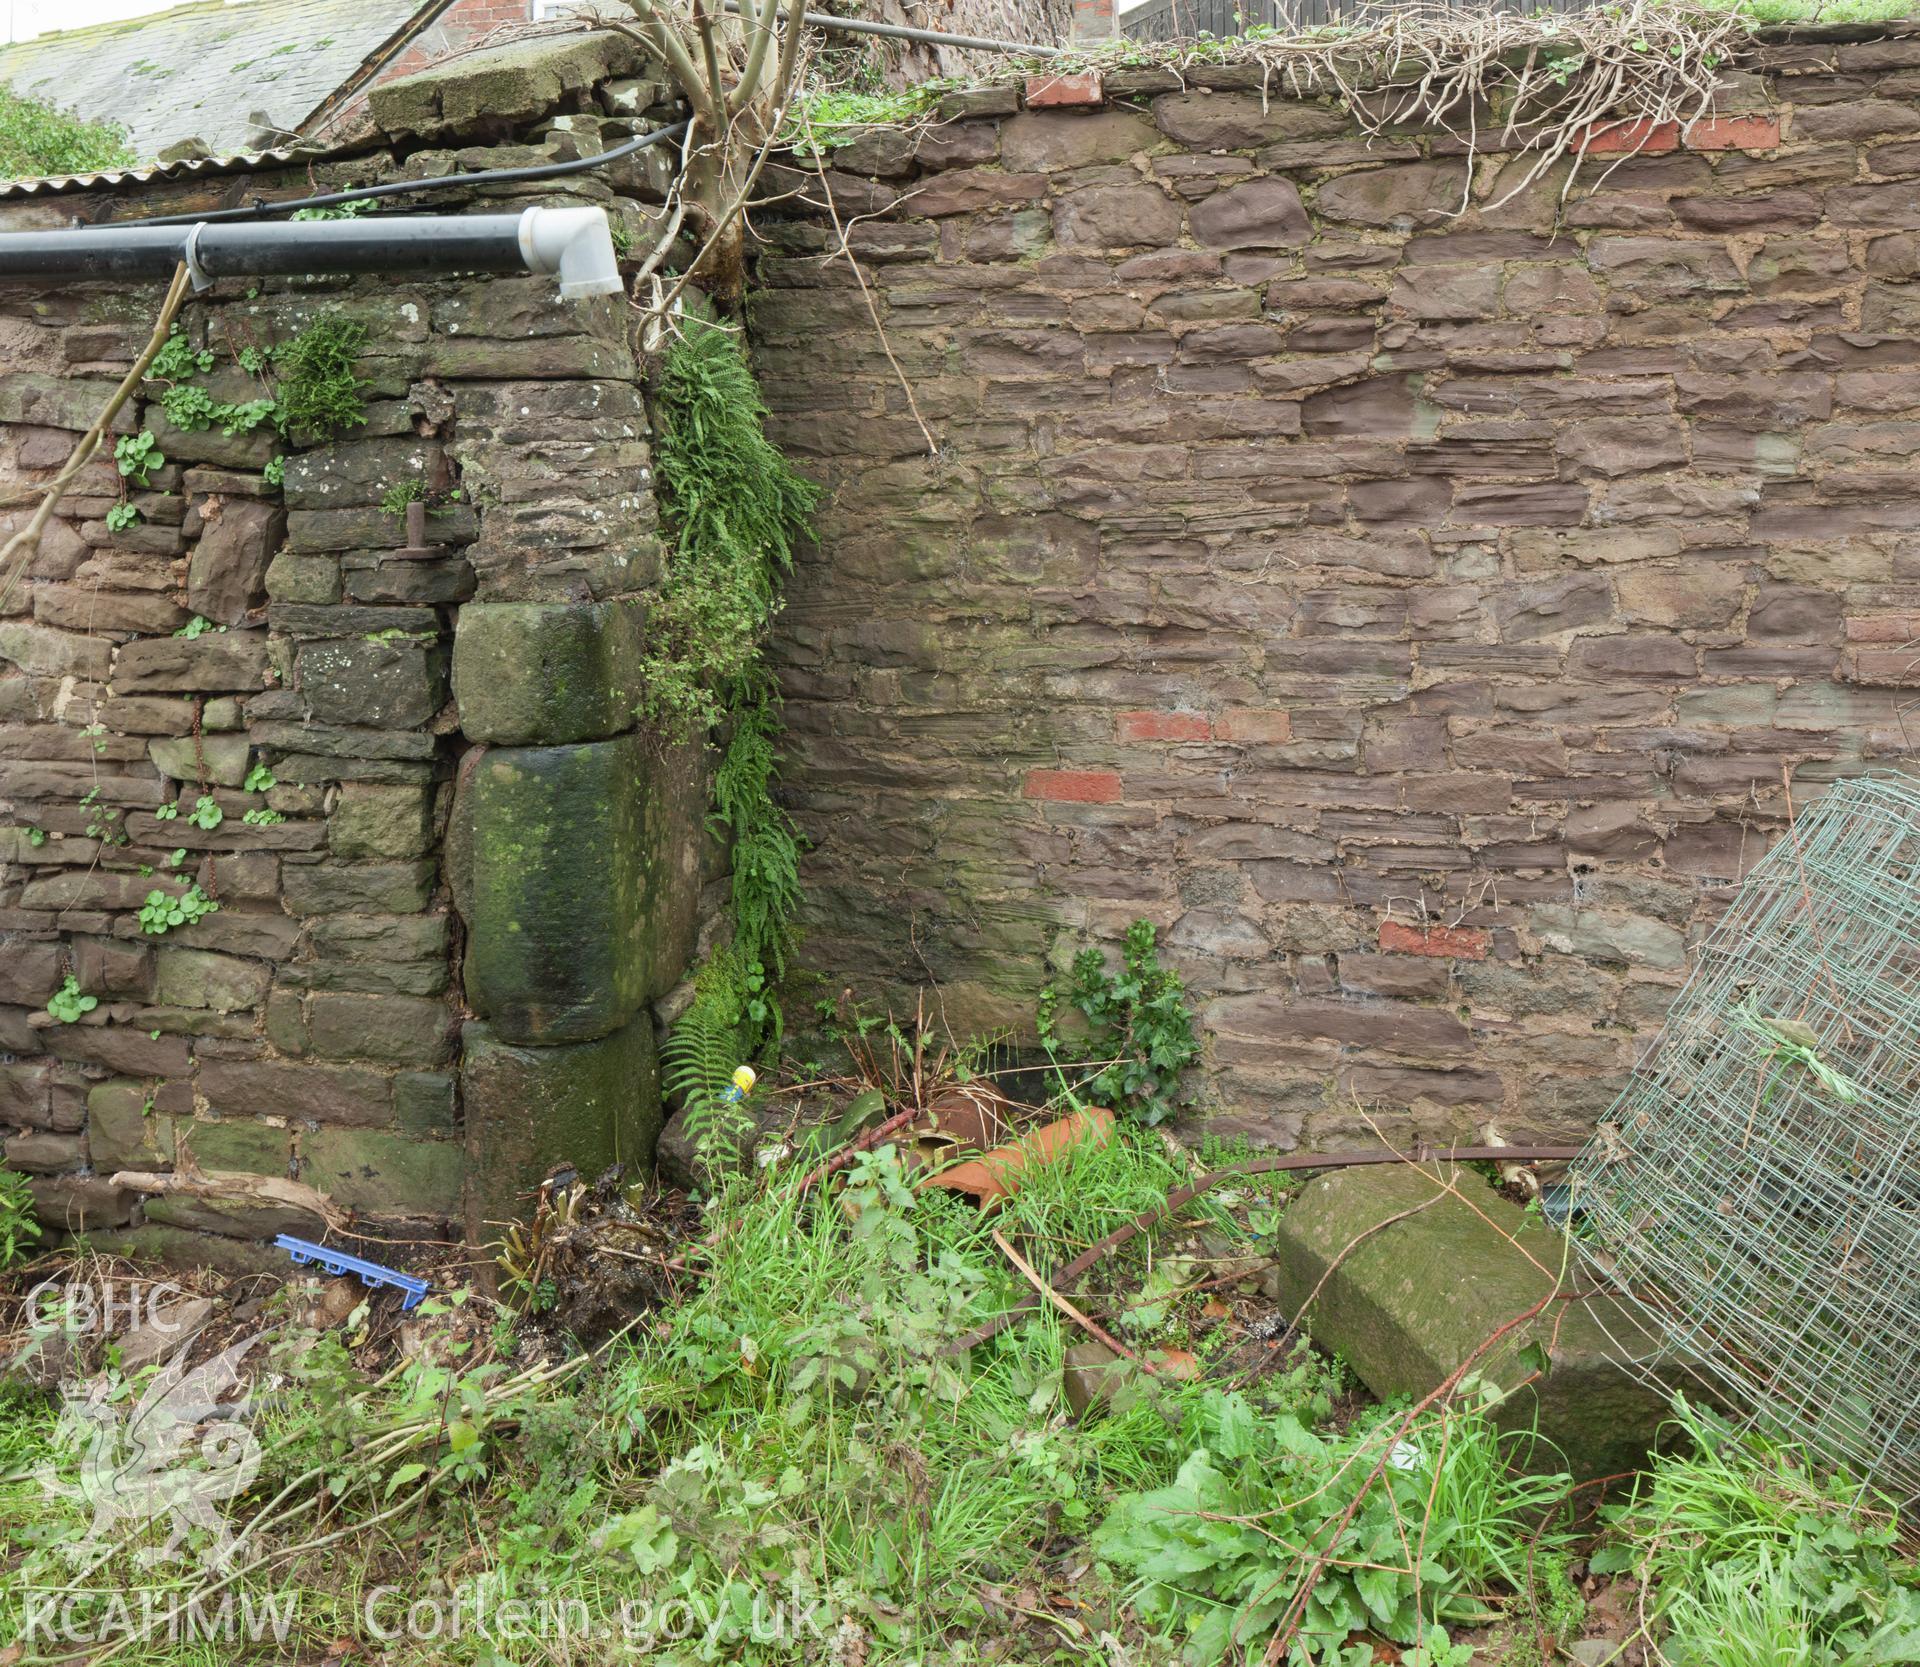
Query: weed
(837,116)
(765,844)
(274,474)
(188,406)
(1140,1034)
(1268,1521)
(1753,1556)
(321,396)
(179,359)
(68,1004)
(37,139)
(18,1229)
(737,511)
(206,814)
(198,626)
(259,779)
(698,1059)
(137,456)
(121,516)
(161,912)
(263,818)
(335,211)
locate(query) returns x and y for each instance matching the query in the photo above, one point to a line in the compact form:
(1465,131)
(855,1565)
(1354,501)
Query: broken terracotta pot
(995,1176)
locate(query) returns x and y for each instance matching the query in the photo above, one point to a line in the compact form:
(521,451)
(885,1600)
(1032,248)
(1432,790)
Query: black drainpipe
(573,243)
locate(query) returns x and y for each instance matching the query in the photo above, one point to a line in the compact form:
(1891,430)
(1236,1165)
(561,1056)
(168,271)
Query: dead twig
(1094,1330)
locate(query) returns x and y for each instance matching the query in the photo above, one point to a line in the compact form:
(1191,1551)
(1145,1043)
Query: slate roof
(239,74)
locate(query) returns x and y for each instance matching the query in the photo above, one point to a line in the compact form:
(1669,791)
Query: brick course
(1305,560)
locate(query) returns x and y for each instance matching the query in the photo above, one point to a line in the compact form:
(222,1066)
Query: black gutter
(403,187)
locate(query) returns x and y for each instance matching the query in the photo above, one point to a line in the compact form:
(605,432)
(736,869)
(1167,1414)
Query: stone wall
(1416,610)
(428,975)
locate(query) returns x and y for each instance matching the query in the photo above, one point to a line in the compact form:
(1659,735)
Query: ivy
(1139,1031)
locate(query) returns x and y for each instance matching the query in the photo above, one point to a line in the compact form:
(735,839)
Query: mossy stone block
(384,1174)
(589,1104)
(1408,1302)
(232,1145)
(122,1133)
(531,674)
(577,870)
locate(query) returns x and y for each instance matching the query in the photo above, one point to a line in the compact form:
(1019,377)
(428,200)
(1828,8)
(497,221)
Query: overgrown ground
(798,1456)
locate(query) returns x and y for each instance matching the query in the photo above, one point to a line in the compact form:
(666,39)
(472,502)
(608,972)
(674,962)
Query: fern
(737,512)
(698,1059)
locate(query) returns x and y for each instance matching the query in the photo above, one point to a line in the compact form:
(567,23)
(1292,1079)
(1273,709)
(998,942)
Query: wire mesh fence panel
(1164,20)
(1755,1192)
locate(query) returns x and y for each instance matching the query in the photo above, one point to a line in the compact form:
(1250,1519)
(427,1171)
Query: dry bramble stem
(1539,84)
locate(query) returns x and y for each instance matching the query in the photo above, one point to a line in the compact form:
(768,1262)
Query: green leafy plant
(162,912)
(699,1056)
(18,1229)
(137,456)
(321,394)
(178,359)
(69,1004)
(1139,1030)
(198,626)
(395,499)
(206,814)
(837,115)
(259,779)
(1750,1549)
(188,406)
(167,812)
(275,472)
(262,818)
(335,211)
(105,822)
(1376,1530)
(121,516)
(37,140)
(737,510)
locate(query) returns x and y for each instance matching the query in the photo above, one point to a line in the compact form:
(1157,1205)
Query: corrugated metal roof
(242,162)
(237,74)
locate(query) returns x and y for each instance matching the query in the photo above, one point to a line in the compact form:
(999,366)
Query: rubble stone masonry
(429,973)
(1415,603)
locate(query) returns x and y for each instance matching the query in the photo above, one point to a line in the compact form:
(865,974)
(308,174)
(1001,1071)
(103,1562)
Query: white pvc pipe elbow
(577,244)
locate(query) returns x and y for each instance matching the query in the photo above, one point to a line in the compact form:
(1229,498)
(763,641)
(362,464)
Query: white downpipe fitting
(575,243)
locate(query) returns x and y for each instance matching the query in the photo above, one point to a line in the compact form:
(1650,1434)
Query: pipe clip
(190,256)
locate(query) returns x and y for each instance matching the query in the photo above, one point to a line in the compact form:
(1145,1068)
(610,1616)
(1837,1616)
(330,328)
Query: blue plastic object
(305,1251)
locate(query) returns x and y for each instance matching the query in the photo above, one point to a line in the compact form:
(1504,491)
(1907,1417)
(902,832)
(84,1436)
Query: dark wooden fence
(1161,20)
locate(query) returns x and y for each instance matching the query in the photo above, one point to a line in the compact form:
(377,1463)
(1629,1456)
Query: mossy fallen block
(1408,1302)
(590,1104)
(577,870)
(543,674)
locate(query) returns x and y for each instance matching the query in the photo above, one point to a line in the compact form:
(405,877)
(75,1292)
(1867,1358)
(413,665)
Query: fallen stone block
(1406,1302)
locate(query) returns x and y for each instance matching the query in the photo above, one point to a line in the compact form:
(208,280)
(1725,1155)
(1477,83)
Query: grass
(792,1454)
(1754,1555)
